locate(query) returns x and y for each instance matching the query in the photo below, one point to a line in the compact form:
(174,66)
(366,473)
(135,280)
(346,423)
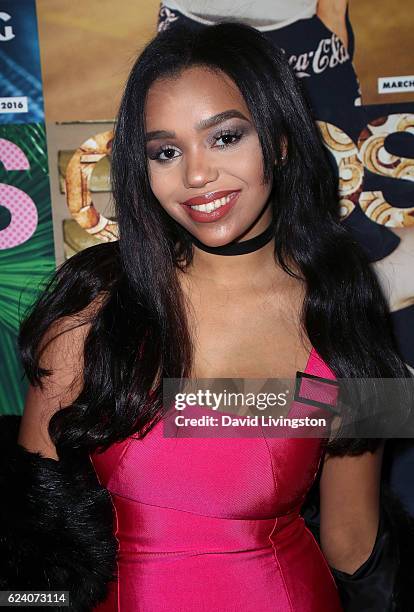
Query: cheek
(163,182)
(249,165)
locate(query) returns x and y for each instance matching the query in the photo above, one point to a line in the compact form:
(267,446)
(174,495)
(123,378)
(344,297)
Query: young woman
(231,262)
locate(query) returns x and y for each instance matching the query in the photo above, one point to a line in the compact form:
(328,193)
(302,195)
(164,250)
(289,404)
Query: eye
(167,150)
(231,137)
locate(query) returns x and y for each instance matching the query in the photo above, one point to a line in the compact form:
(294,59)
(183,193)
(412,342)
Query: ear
(284,146)
(283,152)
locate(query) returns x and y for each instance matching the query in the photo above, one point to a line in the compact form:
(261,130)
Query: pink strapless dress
(213,524)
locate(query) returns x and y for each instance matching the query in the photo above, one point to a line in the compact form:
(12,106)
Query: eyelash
(235,134)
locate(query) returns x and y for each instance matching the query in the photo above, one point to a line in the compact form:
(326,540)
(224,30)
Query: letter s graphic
(24,217)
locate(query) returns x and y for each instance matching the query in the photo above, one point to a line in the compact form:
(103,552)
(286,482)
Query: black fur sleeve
(56,525)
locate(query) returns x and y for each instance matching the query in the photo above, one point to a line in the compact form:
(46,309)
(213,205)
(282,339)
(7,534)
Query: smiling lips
(216,198)
(211,206)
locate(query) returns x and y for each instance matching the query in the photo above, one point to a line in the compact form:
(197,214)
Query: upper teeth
(213,205)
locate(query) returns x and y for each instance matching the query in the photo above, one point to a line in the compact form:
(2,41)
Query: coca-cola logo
(329,53)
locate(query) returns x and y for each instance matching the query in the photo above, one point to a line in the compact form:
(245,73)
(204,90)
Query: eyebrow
(201,125)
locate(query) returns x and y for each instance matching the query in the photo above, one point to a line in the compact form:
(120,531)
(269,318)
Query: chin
(215,241)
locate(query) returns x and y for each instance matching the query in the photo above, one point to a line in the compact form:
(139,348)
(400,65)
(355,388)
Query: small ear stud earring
(283,158)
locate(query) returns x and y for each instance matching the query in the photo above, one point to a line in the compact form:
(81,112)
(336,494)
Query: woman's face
(220,162)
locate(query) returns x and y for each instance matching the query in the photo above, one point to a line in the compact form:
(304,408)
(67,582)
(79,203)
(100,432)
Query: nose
(199,169)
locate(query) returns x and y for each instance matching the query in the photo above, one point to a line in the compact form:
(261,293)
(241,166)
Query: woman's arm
(395,270)
(350,508)
(332,13)
(56,520)
(62,347)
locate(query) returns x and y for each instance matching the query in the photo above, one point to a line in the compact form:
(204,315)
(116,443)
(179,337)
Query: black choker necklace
(238,248)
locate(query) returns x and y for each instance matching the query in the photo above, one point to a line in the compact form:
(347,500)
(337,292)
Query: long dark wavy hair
(139,334)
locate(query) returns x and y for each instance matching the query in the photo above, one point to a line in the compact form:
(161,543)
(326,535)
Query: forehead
(195,91)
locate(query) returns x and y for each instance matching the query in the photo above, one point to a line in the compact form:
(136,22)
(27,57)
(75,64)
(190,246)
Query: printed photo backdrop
(384,49)
(26,233)
(21,99)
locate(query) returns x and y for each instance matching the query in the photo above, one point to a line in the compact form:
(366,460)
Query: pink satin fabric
(213,524)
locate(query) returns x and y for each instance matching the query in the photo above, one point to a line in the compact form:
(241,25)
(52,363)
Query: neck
(242,247)
(235,264)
